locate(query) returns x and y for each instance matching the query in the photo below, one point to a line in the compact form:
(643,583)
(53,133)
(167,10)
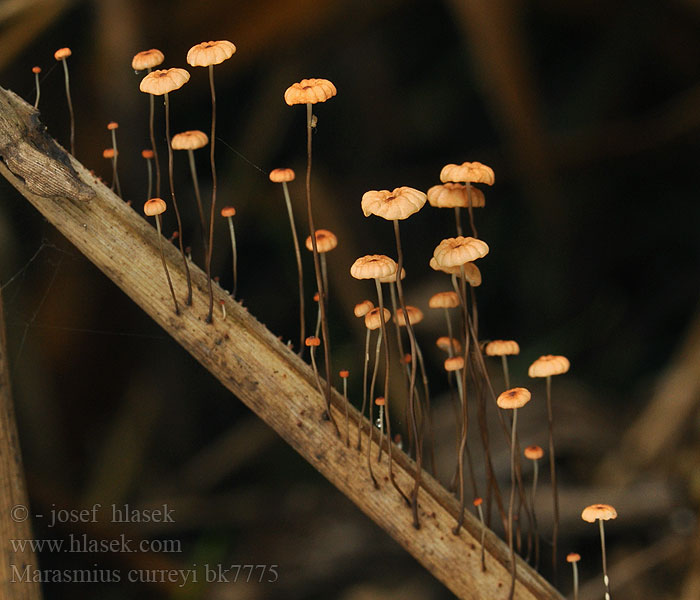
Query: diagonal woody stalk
(247,359)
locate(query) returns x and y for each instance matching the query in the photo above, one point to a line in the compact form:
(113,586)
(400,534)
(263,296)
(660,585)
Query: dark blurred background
(588,112)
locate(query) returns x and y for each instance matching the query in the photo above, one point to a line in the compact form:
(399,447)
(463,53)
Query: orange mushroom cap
(502,348)
(282,175)
(210,53)
(154,206)
(228,211)
(604,512)
(415,315)
(373,319)
(468,172)
(400,203)
(548,365)
(189,140)
(309,91)
(454,363)
(443,342)
(108,153)
(62,53)
(147,154)
(444,300)
(36,69)
(456,251)
(362,308)
(164,81)
(514,398)
(112,125)
(325,241)
(373,266)
(147,59)
(455,195)
(312,340)
(533,452)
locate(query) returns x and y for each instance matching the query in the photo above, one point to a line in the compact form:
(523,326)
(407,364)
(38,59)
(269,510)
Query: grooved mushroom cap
(400,203)
(147,154)
(373,266)
(502,348)
(444,300)
(443,342)
(325,241)
(228,211)
(373,319)
(280,175)
(309,91)
(392,278)
(472,274)
(533,452)
(548,365)
(415,315)
(189,140)
(452,252)
(210,53)
(62,53)
(454,363)
(108,153)
(514,398)
(468,172)
(312,340)
(154,206)
(455,195)
(164,81)
(604,512)
(362,308)
(147,59)
(573,557)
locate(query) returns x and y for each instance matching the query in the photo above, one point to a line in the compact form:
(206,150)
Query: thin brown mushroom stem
(312,352)
(377,354)
(364,388)
(471,211)
(412,385)
(234,253)
(553,476)
(297,251)
(198,196)
(70,107)
(165,266)
(483,534)
(458,221)
(324,275)
(511,501)
(152,134)
(451,349)
(506,374)
(574,567)
(380,303)
(347,410)
(38,89)
(150,170)
(606,579)
(399,342)
(317,266)
(188,301)
(535,533)
(115,174)
(428,413)
(317,329)
(210,243)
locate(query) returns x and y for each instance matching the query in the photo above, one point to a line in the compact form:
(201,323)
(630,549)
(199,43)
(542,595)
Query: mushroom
(504,349)
(534,453)
(228,212)
(573,558)
(445,301)
(208,54)
(513,399)
(110,154)
(344,374)
(36,71)
(396,205)
(468,172)
(146,60)
(161,83)
(456,195)
(375,266)
(547,366)
(112,127)
(154,208)
(600,513)
(313,342)
(477,502)
(62,55)
(193,140)
(284,176)
(309,92)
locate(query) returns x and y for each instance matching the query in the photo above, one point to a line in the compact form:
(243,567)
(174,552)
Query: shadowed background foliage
(589,115)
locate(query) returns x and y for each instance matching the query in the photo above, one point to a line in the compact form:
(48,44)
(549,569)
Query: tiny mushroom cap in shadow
(112,125)
(502,348)
(444,300)
(147,59)
(548,365)
(344,373)
(452,252)
(472,274)
(514,398)
(373,320)
(108,153)
(380,401)
(189,140)
(228,211)
(604,512)
(373,266)
(573,557)
(415,315)
(455,363)
(392,278)
(164,81)
(362,308)
(62,53)
(468,172)
(281,175)
(36,69)
(154,206)
(455,195)
(400,203)
(443,342)
(533,452)
(309,91)
(210,53)
(312,340)
(147,154)
(325,241)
